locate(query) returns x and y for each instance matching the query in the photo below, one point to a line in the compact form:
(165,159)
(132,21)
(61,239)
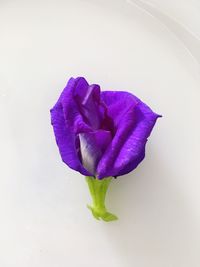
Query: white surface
(44,221)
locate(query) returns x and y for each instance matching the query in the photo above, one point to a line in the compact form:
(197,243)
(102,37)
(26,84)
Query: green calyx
(98,189)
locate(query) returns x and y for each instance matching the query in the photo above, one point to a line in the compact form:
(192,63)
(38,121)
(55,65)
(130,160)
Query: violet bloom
(101,135)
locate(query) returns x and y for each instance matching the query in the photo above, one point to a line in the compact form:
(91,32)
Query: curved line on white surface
(190,40)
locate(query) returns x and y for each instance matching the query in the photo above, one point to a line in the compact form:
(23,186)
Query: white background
(44,221)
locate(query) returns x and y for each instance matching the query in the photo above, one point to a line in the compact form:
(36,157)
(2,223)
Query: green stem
(98,189)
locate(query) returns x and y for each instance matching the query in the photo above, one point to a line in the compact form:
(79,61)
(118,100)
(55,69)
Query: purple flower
(98,133)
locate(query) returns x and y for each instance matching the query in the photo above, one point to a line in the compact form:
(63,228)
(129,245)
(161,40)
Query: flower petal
(92,146)
(72,115)
(118,103)
(66,124)
(134,125)
(134,146)
(65,139)
(88,100)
